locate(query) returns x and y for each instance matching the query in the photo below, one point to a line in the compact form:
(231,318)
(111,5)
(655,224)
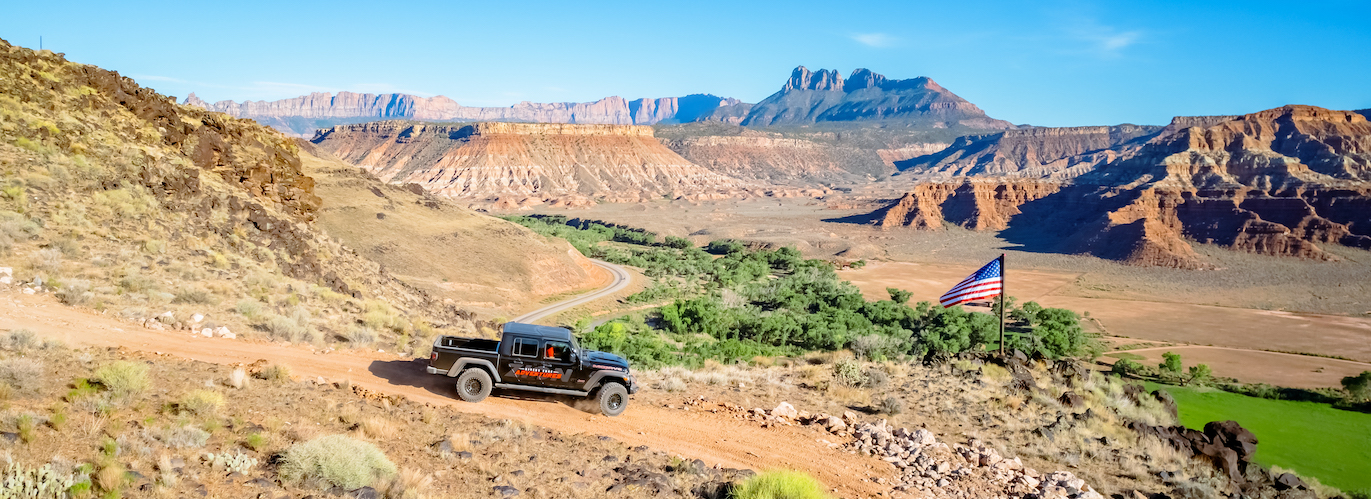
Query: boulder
(1071,399)
(1286,481)
(785,410)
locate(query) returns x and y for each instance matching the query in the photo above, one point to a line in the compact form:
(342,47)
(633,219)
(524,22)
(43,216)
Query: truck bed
(480,344)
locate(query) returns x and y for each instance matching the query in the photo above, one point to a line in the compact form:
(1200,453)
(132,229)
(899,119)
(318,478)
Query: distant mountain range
(824,96)
(305,114)
(806,98)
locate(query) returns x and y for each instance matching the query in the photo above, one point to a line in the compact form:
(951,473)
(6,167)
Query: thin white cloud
(1101,40)
(875,40)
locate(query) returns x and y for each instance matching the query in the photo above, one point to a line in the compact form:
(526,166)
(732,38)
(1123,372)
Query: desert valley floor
(1247,318)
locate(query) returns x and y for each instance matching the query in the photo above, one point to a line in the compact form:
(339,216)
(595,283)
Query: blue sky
(1056,63)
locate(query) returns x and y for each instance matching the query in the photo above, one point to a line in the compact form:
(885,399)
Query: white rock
(222,332)
(207,332)
(7,271)
(28,291)
(785,410)
(168,314)
(197,318)
(4,279)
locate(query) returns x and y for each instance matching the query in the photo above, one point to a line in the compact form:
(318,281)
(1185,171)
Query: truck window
(557,350)
(525,347)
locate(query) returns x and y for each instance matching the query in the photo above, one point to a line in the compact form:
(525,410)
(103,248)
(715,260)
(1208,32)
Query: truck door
(557,356)
(524,365)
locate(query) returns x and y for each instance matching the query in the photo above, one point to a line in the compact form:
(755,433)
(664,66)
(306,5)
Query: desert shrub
(378,428)
(195,296)
(75,292)
(22,374)
(201,402)
(238,378)
(360,336)
(877,347)
(47,259)
(275,372)
(135,282)
(780,484)
(1125,367)
(249,308)
(890,405)
(877,379)
(27,427)
(1358,387)
(20,339)
(849,373)
(123,378)
(285,328)
(182,437)
(335,460)
(409,484)
(255,441)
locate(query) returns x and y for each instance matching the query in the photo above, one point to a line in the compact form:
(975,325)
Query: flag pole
(1003,303)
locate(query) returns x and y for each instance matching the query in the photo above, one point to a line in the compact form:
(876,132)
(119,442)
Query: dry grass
(378,428)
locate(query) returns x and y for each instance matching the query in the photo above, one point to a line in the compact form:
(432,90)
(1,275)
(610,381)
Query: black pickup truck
(534,358)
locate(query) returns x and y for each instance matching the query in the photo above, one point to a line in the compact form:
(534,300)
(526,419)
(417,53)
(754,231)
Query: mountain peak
(804,79)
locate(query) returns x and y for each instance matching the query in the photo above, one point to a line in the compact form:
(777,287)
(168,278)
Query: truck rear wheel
(613,399)
(473,385)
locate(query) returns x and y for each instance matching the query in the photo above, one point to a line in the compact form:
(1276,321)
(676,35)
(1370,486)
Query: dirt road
(620,280)
(713,438)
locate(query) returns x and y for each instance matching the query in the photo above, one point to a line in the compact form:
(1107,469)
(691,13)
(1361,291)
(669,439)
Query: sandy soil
(1252,366)
(713,438)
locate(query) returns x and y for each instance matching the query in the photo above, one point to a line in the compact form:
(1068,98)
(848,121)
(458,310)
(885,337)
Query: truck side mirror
(575,359)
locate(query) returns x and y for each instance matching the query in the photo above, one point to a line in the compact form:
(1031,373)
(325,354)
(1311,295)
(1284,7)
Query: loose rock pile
(924,465)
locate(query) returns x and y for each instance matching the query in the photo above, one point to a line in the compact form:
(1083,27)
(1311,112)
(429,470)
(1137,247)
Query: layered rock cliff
(302,115)
(1278,182)
(824,96)
(506,165)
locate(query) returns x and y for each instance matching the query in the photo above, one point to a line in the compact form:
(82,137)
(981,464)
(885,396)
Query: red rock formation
(517,164)
(1278,182)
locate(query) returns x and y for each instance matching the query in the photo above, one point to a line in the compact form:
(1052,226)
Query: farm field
(1313,439)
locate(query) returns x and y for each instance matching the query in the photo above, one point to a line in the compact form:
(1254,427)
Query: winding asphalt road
(621,281)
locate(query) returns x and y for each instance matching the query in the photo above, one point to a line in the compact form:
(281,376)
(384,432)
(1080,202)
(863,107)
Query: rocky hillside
(1277,182)
(114,197)
(509,165)
(304,115)
(824,96)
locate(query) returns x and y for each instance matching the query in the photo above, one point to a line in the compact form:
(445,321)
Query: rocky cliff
(303,115)
(1278,182)
(1030,152)
(777,159)
(507,165)
(824,96)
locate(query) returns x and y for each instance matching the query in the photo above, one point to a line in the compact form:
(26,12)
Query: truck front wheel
(473,385)
(613,399)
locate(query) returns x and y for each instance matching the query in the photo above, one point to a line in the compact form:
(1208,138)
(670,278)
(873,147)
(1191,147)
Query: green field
(1313,439)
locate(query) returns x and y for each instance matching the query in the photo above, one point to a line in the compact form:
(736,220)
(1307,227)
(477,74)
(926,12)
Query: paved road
(621,280)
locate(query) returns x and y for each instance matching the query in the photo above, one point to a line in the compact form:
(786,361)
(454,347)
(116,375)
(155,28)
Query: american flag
(985,283)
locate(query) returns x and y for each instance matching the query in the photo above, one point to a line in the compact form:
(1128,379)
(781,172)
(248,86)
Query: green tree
(677,242)
(899,295)
(1200,374)
(1359,386)
(1171,363)
(1059,331)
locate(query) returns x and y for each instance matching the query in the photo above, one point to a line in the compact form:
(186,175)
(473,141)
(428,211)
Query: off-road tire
(613,398)
(474,385)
